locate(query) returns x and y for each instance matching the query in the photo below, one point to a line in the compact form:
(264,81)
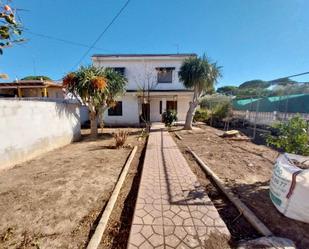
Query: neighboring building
(31,89)
(153,87)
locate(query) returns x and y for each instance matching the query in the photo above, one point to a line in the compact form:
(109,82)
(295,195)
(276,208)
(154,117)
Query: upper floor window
(119,70)
(116,110)
(165,74)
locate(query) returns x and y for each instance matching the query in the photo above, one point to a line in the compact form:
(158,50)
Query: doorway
(145,117)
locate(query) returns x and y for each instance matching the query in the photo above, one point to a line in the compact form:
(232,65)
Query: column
(163,105)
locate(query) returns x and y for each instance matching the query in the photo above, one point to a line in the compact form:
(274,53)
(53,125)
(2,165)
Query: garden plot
(54,200)
(246,168)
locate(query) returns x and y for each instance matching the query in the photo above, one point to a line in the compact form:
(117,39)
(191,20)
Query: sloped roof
(29,84)
(144,55)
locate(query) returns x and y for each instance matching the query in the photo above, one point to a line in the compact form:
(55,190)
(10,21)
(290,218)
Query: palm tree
(98,89)
(200,75)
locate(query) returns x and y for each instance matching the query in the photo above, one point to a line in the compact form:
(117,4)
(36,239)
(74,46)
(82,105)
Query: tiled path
(172,210)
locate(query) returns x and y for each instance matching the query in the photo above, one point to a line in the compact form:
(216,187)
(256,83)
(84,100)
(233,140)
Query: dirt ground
(117,233)
(246,168)
(54,200)
(238,226)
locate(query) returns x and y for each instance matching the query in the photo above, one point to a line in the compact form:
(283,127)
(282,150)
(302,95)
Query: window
(165,74)
(160,107)
(171,105)
(116,110)
(120,70)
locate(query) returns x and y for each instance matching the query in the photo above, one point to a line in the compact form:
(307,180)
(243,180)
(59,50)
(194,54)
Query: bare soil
(238,226)
(54,200)
(246,168)
(117,233)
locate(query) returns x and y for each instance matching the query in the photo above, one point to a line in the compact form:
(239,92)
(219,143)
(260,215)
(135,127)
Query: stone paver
(172,209)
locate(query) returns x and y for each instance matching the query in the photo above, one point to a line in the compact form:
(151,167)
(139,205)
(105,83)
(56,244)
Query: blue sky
(250,39)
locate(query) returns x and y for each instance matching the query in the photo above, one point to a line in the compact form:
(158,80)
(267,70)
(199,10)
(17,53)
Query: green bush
(201,115)
(221,111)
(169,117)
(212,101)
(291,136)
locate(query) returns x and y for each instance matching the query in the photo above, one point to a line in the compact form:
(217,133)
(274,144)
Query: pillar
(163,105)
(19,92)
(45,92)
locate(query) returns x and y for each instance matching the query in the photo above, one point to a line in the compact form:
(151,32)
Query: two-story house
(153,87)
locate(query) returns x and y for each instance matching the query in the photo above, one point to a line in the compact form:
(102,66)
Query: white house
(153,87)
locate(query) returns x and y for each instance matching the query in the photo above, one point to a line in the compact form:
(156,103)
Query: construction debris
(234,135)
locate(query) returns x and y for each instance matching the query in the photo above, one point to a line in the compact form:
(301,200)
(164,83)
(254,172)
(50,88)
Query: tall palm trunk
(192,107)
(190,115)
(93,124)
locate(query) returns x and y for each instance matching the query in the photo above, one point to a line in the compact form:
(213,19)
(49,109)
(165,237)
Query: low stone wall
(31,127)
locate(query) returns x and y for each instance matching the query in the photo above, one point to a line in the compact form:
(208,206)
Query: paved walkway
(172,209)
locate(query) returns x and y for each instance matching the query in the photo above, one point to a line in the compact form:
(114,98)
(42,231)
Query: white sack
(289,187)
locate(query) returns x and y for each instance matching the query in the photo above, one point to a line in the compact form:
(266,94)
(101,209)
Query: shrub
(201,115)
(221,111)
(291,136)
(169,117)
(218,106)
(210,102)
(120,138)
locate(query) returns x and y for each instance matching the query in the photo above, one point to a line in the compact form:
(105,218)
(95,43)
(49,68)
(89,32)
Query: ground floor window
(116,110)
(171,105)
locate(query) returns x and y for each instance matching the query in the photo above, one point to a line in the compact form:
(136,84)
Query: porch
(151,107)
(135,108)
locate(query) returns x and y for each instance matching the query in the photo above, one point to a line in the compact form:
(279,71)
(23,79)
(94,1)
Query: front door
(145,112)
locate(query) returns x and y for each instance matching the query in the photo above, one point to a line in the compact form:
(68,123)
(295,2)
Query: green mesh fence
(296,103)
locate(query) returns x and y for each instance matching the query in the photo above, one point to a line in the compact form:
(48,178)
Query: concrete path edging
(97,236)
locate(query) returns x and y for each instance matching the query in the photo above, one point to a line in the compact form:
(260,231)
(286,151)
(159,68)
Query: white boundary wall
(29,128)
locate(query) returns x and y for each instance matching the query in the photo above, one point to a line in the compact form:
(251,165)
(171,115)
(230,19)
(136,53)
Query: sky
(250,39)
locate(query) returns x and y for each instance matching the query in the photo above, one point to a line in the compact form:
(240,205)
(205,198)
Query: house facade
(153,87)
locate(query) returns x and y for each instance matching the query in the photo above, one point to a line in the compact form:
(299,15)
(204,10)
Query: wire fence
(262,112)
(257,108)
(267,118)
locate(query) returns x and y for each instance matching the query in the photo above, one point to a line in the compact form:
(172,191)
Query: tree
(283,82)
(227,90)
(10,29)
(291,136)
(146,81)
(256,92)
(39,77)
(200,75)
(98,89)
(255,84)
